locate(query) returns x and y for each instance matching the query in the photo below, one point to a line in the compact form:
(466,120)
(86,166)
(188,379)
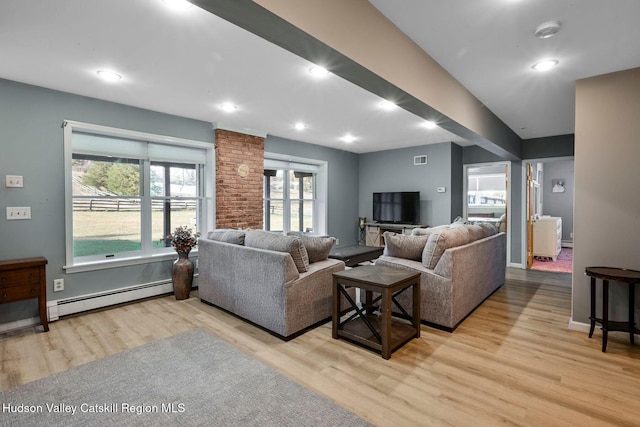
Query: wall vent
(420,160)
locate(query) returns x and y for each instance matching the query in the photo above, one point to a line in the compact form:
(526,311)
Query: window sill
(125,262)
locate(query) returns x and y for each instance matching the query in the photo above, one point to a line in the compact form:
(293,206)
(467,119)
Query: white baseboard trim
(567,244)
(579,326)
(516,265)
(64,307)
(19,324)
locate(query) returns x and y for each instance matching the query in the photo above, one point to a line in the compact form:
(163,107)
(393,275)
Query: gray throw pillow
(277,242)
(489,229)
(227,235)
(440,241)
(404,246)
(318,248)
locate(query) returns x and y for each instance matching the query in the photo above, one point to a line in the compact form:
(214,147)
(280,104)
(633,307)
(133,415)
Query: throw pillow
(277,242)
(318,248)
(489,229)
(404,246)
(428,230)
(227,235)
(475,231)
(440,241)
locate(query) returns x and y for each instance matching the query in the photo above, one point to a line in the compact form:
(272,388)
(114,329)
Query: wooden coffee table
(381,331)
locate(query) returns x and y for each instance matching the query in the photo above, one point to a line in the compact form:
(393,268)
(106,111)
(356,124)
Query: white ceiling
(187,63)
(489,47)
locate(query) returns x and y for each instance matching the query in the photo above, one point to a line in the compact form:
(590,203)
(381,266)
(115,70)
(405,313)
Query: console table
(606,274)
(375,231)
(23,279)
(382,332)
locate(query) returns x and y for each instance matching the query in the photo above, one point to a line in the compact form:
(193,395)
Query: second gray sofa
(460,267)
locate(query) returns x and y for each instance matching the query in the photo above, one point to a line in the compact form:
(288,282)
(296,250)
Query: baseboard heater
(64,307)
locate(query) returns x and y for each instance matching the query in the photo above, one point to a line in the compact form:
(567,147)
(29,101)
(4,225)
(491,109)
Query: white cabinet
(547,237)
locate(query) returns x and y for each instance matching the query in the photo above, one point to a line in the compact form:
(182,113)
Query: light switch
(14,181)
(442,189)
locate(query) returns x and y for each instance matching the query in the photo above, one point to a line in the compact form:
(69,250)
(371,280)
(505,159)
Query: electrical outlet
(14,181)
(18,212)
(571,235)
(337,242)
(58,285)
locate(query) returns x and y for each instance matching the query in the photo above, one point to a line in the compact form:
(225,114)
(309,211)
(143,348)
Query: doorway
(549,186)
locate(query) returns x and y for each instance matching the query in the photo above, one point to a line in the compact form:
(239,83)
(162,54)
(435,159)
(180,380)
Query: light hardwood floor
(512,362)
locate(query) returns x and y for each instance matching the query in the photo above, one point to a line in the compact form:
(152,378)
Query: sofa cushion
(440,241)
(428,230)
(277,242)
(404,246)
(318,248)
(227,236)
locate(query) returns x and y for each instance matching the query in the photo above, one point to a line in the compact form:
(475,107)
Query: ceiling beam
(355,41)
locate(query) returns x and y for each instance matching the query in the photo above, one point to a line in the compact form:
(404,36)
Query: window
(294,196)
(126,191)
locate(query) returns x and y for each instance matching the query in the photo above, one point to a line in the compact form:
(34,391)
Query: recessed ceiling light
(545,64)
(546,30)
(108,76)
(318,71)
(387,105)
(348,138)
(227,107)
(429,124)
(300,126)
(178,4)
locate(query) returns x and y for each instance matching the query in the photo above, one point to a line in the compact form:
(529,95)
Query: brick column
(239,180)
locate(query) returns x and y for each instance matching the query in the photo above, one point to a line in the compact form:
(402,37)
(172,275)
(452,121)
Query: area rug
(189,379)
(562,264)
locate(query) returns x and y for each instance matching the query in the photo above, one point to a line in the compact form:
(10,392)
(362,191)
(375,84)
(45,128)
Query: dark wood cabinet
(22,279)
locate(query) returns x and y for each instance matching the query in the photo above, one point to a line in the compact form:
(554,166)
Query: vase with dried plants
(183,239)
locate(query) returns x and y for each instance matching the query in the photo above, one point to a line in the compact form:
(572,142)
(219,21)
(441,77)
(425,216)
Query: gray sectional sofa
(460,265)
(280,283)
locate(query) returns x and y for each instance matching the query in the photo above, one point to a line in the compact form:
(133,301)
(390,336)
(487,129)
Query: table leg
(605,314)
(416,307)
(593,306)
(385,323)
(368,300)
(336,308)
(632,322)
(43,313)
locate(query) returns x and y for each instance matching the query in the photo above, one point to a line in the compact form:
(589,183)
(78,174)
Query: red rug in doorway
(562,264)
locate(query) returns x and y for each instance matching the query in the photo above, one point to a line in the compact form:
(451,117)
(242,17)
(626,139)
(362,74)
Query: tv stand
(375,231)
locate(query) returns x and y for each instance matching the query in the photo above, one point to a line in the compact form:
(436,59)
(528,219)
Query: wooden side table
(23,279)
(383,333)
(606,274)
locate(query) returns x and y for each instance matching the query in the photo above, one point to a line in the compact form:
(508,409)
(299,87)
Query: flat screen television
(399,207)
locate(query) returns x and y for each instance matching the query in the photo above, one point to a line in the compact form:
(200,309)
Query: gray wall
(342,218)
(559,204)
(31,142)
(551,146)
(607,201)
(393,170)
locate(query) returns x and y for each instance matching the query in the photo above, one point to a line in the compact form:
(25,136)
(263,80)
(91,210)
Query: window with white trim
(127,191)
(294,196)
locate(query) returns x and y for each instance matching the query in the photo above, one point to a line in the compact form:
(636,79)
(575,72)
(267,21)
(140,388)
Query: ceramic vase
(182,276)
